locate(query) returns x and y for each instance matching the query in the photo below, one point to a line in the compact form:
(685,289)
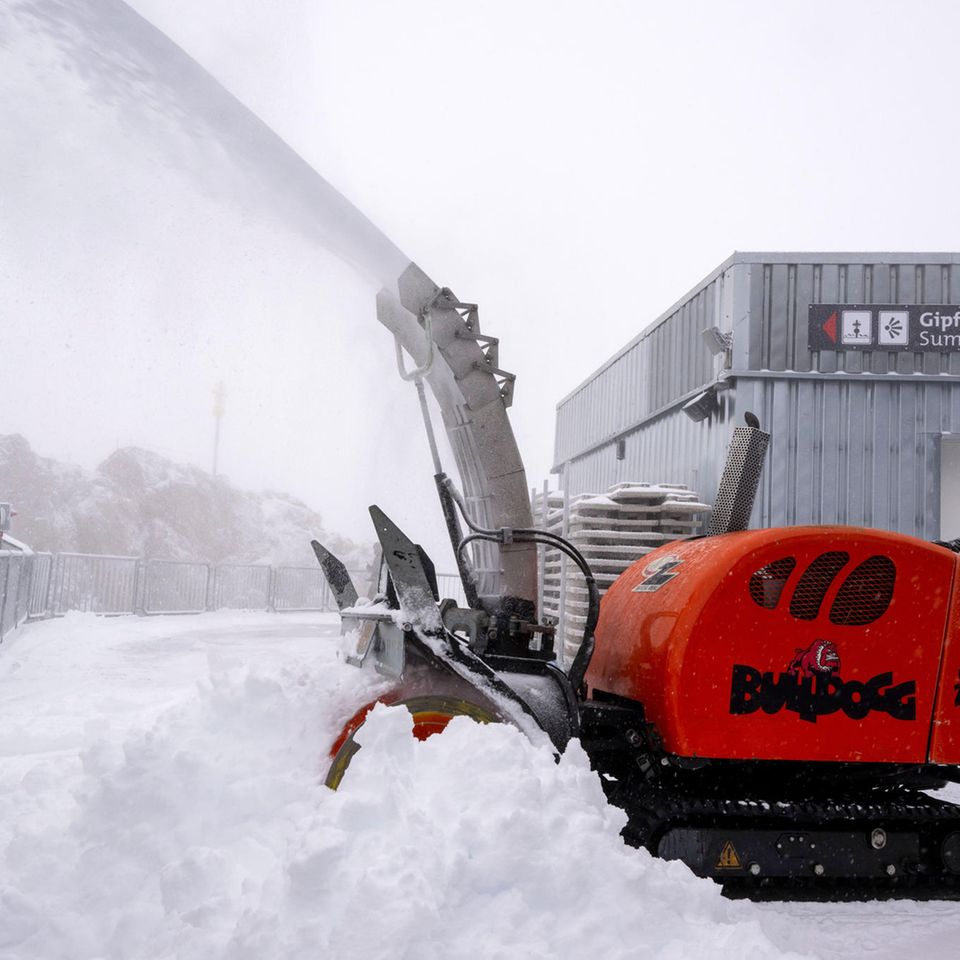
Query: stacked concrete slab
(611,530)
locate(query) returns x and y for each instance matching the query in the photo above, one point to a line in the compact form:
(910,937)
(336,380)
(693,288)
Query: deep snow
(161,796)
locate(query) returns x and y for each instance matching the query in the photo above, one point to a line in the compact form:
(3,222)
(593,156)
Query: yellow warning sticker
(729,858)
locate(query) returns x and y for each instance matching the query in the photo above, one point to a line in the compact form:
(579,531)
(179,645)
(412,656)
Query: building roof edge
(775,257)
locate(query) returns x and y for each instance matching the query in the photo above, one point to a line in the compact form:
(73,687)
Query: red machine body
(801,643)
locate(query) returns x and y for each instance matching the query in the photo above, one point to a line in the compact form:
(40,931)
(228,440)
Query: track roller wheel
(431,714)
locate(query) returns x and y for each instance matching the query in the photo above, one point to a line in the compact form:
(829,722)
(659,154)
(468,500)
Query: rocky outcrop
(138,503)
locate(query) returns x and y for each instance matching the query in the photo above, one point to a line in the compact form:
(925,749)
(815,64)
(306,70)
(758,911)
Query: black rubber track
(654,810)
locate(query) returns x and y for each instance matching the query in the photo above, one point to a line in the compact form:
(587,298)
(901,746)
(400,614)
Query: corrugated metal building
(865,432)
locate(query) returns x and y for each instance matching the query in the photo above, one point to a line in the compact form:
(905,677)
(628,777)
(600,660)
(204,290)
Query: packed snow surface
(161,796)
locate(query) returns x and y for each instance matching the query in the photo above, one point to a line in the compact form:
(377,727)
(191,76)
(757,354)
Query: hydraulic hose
(581,661)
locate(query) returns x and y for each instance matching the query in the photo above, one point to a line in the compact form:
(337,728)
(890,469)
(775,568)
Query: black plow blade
(344,592)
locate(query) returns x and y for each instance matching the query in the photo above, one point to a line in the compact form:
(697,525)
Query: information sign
(913,327)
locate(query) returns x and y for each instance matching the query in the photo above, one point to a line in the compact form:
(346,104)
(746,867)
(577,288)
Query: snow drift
(196,824)
(161,796)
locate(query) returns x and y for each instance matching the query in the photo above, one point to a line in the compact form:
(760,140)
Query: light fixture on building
(716,340)
(702,405)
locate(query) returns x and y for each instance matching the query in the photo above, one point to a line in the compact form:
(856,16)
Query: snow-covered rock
(138,503)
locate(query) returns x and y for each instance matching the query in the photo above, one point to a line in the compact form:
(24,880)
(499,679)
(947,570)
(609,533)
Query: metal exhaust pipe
(741,477)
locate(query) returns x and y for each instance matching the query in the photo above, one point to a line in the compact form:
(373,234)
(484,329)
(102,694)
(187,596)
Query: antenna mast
(219,395)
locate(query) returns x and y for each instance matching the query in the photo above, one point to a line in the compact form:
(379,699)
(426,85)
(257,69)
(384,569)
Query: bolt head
(891,870)
(818,869)
(754,869)
(878,838)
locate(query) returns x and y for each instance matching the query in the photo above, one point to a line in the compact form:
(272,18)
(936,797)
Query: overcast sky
(575,167)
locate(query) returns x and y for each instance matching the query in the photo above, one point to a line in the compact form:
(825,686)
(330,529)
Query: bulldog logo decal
(811,687)
(821,657)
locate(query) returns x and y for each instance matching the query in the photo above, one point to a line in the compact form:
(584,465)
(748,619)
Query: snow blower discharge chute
(772,707)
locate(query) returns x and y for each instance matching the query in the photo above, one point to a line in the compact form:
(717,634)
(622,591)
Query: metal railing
(39,585)
(37,604)
(15,574)
(172,586)
(238,586)
(93,584)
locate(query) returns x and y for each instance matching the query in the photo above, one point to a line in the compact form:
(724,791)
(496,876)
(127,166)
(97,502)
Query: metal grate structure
(814,583)
(866,593)
(741,476)
(766,585)
(611,530)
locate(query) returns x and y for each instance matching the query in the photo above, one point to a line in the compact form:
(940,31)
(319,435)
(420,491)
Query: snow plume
(208,832)
(157,238)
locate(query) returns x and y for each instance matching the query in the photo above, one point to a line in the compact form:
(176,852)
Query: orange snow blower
(772,707)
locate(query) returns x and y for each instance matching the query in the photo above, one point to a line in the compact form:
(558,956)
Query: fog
(573,168)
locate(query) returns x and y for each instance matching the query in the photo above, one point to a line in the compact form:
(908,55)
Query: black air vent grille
(866,594)
(766,585)
(814,584)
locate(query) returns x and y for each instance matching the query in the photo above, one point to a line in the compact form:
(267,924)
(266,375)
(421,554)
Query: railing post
(40,584)
(272,591)
(56,573)
(140,588)
(211,586)
(23,588)
(5,566)
(324,596)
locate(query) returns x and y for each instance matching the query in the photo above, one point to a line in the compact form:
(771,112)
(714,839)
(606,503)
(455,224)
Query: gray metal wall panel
(781,292)
(849,452)
(763,298)
(855,451)
(953,296)
(666,363)
(671,449)
(866,457)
